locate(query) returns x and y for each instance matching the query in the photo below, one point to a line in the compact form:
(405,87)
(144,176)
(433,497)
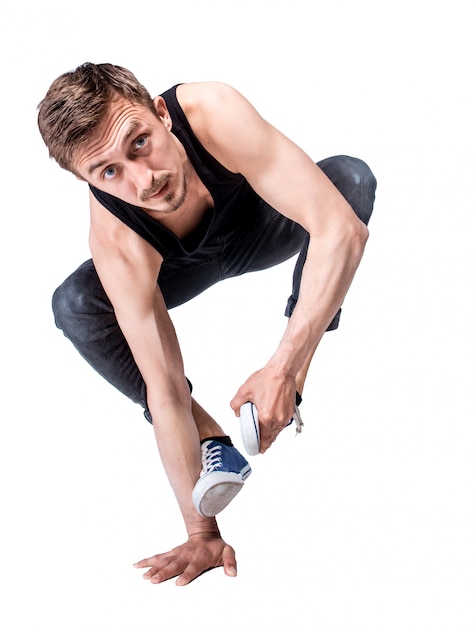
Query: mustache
(156,185)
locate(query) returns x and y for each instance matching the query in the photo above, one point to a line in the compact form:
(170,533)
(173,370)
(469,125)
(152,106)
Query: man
(188,189)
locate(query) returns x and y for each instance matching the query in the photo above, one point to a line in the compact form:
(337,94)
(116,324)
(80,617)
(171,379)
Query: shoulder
(114,242)
(224,121)
(197,98)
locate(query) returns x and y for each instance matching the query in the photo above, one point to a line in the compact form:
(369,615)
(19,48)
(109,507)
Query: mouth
(158,189)
(162,191)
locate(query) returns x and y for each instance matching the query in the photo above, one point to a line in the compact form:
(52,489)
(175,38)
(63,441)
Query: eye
(140,142)
(109,173)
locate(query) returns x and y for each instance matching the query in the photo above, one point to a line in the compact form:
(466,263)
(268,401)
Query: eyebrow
(131,128)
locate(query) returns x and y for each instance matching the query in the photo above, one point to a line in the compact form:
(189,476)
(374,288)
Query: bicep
(278,170)
(287,179)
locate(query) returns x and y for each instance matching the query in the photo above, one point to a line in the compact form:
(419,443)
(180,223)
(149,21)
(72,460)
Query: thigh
(85,314)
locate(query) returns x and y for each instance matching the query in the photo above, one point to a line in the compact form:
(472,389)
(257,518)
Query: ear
(162,111)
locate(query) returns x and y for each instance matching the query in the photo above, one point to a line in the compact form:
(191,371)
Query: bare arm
(128,268)
(284,176)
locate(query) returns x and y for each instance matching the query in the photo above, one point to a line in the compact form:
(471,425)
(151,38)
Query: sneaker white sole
(250,431)
(214,491)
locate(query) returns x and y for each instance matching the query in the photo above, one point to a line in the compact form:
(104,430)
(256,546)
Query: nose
(141,175)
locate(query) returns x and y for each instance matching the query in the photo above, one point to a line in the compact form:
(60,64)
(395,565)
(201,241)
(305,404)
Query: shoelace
(298,421)
(210,457)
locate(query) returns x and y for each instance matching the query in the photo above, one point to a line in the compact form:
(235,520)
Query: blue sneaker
(222,478)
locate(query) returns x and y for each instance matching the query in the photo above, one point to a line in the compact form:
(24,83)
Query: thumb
(236,404)
(239,399)
(229,561)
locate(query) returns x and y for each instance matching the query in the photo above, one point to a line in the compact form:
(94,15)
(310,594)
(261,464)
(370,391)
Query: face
(134,156)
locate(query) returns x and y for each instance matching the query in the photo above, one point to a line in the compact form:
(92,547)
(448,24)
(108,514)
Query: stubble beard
(174,199)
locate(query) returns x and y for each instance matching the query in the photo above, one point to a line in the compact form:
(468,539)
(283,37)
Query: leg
(207,427)
(85,315)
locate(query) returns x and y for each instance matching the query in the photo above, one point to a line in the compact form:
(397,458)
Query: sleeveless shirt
(235,202)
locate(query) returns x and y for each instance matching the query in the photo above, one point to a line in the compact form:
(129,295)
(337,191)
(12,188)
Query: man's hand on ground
(202,552)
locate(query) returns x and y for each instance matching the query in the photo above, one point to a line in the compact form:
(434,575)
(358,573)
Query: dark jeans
(85,315)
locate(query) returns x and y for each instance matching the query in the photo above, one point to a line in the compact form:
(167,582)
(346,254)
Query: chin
(176,200)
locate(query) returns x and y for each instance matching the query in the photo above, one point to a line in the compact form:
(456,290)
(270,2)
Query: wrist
(293,350)
(206,526)
(283,365)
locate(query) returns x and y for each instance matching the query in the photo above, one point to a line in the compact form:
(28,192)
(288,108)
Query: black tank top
(235,202)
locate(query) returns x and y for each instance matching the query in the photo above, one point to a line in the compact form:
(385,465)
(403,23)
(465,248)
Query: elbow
(346,237)
(354,236)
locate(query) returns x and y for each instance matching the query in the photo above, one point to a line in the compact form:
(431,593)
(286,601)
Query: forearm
(158,356)
(329,269)
(179,447)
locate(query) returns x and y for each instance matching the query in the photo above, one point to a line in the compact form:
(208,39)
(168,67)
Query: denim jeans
(85,315)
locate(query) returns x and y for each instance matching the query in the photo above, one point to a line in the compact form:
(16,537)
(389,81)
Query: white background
(368,517)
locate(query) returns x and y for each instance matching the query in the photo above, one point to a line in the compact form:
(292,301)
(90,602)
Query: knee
(355,180)
(360,173)
(64,304)
(77,299)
